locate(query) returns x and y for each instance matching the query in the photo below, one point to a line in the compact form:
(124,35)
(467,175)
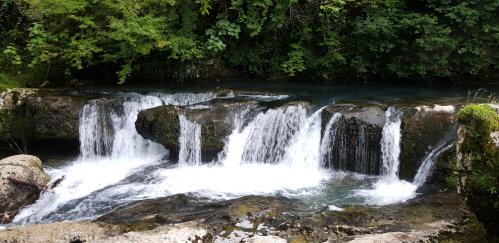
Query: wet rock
(37,116)
(217,122)
(217,119)
(182,208)
(160,124)
(54,117)
(14,196)
(355,138)
(423,127)
(437,217)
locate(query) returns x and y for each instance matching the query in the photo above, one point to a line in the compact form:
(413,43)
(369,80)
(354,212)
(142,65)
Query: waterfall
(389,188)
(328,140)
(189,142)
(107,127)
(111,150)
(304,148)
(390,143)
(425,169)
(276,152)
(351,145)
(96,134)
(270,132)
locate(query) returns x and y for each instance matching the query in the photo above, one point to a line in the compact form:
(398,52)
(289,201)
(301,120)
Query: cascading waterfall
(190,142)
(425,169)
(277,151)
(389,188)
(270,133)
(288,163)
(390,143)
(329,139)
(111,150)
(96,134)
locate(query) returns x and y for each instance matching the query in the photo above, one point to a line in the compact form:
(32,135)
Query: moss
(479,121)
(483,190)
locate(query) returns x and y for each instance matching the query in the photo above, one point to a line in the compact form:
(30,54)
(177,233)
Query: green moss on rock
(480,157)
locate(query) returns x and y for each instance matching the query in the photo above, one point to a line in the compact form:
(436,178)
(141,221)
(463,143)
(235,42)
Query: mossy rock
(479,183)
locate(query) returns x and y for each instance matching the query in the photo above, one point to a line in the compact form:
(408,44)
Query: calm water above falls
(279,151)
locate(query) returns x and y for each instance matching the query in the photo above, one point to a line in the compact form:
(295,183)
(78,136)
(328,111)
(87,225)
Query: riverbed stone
(439,217)
(356,145)
(14,196)
(422,128)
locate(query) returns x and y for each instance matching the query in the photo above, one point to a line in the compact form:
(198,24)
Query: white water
(390,143)
(270,133)
(291,165)
(425,169)
(389,188)
(328,139)
(189,142)
(279,151)
(107,155)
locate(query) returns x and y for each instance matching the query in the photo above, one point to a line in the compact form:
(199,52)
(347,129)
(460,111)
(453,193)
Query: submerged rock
(14,196)
(355,138)
(423,128)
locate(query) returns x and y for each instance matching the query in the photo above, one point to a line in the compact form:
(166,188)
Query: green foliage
(480,121)
(7,81)
(329,39)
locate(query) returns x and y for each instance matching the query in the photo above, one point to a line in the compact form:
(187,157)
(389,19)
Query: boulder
(355,138)
(423,128)
(13,195)
(162,124)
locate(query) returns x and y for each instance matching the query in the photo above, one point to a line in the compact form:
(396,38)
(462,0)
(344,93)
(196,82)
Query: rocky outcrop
(355,138)
(30,115)
(422,128)
(216,118)
(13,195)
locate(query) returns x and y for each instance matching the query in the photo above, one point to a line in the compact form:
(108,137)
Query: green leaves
(223,28)
(10,56)
(295,62)
(328,39)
